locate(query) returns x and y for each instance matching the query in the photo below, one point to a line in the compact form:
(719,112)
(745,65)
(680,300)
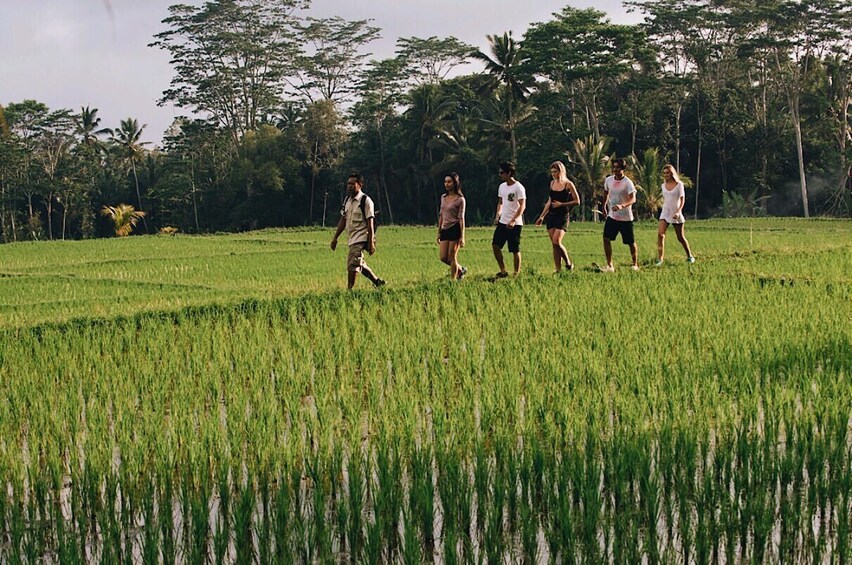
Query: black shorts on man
(452,233)
(504,234)
(613,227)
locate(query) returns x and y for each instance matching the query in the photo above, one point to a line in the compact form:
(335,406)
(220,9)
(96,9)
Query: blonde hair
(672,170)
(563,175)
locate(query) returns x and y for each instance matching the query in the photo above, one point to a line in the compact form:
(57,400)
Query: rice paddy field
(223,399)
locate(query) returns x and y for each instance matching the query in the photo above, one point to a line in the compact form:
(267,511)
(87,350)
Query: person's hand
(461,242)
(438,239)
(372,247)
(511,224)
(496,220)
(616,207)
(539,220)
(334,244)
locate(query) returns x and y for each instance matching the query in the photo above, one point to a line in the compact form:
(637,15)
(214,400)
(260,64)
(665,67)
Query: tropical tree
(430,60)
(504,70)
(127,139)
(124,218)
(88,152)
(381,91)
(86,127)
(322,139)
(330,56)
(582,52)
(591,159)
(230,58)
(430,106)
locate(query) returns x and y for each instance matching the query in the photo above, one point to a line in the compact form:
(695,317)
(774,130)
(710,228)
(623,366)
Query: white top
(511,196)
(355,220)
(619,193)
(671,202)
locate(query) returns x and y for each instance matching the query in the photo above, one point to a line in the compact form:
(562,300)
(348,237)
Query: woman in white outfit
(674,198)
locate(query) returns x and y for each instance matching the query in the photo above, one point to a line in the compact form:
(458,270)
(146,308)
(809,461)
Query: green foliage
(124,218)
(590,160)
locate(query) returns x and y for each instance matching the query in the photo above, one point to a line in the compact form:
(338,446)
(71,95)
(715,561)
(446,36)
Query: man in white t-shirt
(511,203)
(619,197)
(358,214)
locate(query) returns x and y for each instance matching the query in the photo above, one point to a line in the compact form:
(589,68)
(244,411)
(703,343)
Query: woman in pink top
(451,225)
(674,198)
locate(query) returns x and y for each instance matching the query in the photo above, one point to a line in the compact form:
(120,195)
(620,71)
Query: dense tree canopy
(750,100)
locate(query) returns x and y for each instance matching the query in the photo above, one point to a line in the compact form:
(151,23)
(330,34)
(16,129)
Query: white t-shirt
(619,193)
(511,196)
(671,202)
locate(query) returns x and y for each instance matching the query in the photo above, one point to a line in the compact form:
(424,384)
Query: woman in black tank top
(561,197)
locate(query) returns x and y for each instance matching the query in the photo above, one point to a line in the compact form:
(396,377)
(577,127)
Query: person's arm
(544,211)
(499,209)
(462,209)
(575,196)
(440,219)
(341,225)
(681,201)
(371,235)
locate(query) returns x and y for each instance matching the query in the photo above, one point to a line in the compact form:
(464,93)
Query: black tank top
(559,196)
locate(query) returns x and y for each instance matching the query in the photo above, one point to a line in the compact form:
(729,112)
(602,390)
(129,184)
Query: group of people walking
(358,216)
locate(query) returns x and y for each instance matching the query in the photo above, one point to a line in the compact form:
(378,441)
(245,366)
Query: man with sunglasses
(511,203)
(619,197)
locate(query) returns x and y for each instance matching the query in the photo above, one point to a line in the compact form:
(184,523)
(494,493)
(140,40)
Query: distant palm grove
(750,100)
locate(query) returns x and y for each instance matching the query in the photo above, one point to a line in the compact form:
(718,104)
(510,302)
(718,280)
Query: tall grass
(705,420)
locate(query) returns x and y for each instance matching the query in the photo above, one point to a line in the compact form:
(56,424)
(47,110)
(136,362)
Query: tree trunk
(511,133)
(50,215)
(797,125)
(3,209)
(698,164)
(138,194)
(313,183)
(677,135)
(382,171)
(311,206)
(194,201)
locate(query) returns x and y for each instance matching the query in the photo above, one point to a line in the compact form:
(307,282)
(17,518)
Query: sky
(75,53)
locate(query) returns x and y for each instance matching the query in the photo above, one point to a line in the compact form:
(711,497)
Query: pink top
(452,211)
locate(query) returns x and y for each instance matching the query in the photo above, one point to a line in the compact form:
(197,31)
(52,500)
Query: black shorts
(613,227)
(452,233)
(504,234)
(556,221)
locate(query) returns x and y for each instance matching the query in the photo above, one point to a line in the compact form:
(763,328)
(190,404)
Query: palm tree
(127,138)
(86,126)
(647,172)
(124,218)
(503,67)
(590,159)
(90,149)
(426,115)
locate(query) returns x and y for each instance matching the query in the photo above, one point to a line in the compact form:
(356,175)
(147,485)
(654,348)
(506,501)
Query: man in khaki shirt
(358,214)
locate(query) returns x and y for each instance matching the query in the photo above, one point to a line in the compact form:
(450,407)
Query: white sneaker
(635,267)
(690,259)
(607,269)
(659,263)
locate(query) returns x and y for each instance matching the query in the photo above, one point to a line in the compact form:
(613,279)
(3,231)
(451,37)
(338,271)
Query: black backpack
(363,205)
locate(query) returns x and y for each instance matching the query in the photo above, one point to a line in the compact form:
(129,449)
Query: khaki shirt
(356,223)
